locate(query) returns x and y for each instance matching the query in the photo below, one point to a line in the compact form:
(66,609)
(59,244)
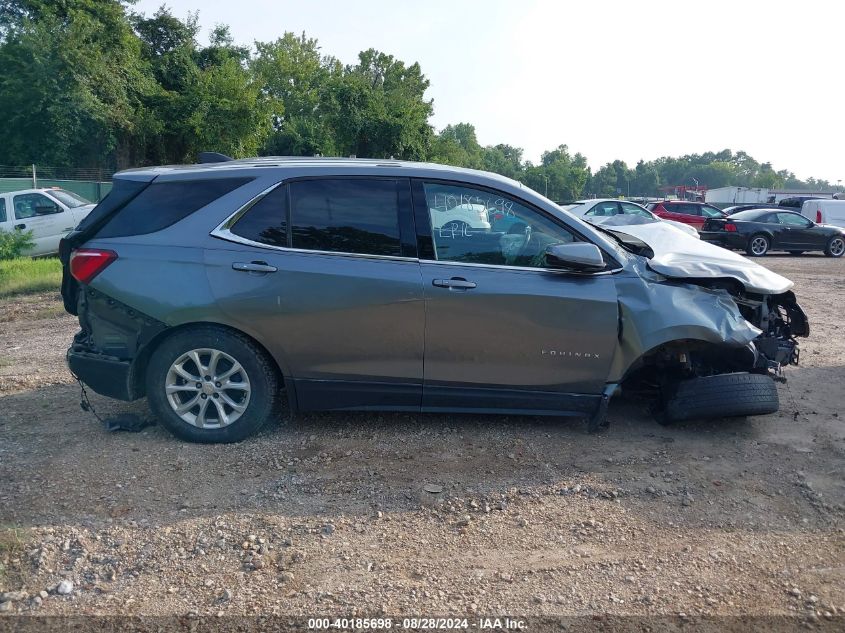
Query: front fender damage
(654,312)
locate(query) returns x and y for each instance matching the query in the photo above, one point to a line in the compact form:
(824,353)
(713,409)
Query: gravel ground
(366,514)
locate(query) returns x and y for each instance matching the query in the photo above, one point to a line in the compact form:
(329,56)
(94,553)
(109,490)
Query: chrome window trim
(226,234)
(223,231)
(526,269)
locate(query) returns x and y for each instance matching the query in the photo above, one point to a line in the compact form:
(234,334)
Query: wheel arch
(141,361)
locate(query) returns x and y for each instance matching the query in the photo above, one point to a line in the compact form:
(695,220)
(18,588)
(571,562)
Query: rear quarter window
(162,204)
(266,220)
(3,217)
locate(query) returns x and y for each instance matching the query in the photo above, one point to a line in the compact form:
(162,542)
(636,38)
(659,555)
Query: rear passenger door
(325,272)
(503,332)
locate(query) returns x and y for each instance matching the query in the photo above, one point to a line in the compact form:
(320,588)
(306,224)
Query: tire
(722,396)
(835,246)
(218,415)
(758,245)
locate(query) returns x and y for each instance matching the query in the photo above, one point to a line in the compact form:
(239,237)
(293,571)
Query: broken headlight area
(780,319)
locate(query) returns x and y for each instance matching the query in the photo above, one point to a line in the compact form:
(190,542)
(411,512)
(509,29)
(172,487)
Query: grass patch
(24,275)
(6,361)
(11,547)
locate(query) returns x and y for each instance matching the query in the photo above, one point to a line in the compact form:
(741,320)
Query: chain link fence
(90,183)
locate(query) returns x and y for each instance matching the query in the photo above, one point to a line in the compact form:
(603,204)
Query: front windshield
(68,198)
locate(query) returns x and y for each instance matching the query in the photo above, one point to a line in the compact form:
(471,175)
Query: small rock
(630,579)
(651,490)
(328,528)
(5,606)
(258,563)
(433,488)
(539,599)
(43,594)
(64,588)
(522,522)
(286,576)
(13,596)
(795,591)
(225,596)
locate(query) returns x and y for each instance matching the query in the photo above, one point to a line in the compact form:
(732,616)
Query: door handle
(455,283)
(20,226)
(254,267)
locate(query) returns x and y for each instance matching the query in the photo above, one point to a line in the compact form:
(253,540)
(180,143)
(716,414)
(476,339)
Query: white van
(49,213)
(825,211)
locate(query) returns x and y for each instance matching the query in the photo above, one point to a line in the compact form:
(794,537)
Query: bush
(14,243)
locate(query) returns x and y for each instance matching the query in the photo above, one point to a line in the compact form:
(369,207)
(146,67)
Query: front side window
(354,215)
(478,226)
(29,205)
(266,220)
(790,219)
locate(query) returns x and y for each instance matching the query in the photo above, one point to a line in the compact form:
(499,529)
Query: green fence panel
(90,190)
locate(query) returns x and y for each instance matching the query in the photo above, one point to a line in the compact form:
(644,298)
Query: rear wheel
(211,385)
(835,246)
(757,246)
(721,396)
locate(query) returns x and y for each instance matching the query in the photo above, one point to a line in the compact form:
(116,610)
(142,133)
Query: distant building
(752,195)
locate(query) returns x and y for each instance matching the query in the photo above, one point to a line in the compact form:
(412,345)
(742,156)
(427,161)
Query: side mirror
(579,256)
(46,209)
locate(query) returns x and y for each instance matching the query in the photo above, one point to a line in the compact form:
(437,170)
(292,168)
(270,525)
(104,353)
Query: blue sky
(611,79)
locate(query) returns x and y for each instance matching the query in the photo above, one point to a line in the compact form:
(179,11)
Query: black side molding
(213,157)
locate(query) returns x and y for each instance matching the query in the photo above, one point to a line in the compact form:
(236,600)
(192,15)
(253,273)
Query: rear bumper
(105,375)
(724,238)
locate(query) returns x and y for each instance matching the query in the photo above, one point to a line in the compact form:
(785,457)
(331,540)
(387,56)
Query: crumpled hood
(679,255)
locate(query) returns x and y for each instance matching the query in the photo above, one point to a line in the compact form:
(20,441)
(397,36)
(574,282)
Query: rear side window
(3,217)
(164,203)
(346,215)
(266,220)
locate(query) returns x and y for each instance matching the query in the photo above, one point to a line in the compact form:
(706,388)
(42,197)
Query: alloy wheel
(207,388)
(759,245)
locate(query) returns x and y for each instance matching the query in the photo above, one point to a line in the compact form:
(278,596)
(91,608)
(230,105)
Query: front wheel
(835,246)
(721,396)
(758,246)
(211,385)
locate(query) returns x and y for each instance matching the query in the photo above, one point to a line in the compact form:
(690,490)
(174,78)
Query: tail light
(818,217)
(730,227)
(87,263)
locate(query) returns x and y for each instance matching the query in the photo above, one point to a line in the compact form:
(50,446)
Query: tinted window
(165,203)
(3,217)
(346,215)
(266,220)
(686,209)
(752,215)
(477,226)
(28,205)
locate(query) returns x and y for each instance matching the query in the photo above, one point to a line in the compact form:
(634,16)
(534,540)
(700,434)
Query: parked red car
(692,213)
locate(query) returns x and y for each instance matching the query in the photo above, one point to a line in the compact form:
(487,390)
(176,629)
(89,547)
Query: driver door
(46,218)
(503,331)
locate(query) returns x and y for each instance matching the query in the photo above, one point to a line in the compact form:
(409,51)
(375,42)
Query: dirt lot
(327,514)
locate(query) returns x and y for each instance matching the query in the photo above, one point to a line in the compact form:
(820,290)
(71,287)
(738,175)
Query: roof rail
(213,157)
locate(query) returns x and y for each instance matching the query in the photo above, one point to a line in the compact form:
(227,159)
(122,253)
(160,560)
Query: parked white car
(598,210)
(49,213)
(460,218)
(825,211)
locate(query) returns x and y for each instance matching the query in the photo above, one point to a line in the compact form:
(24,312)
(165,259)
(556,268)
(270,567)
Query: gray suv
(212,289)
